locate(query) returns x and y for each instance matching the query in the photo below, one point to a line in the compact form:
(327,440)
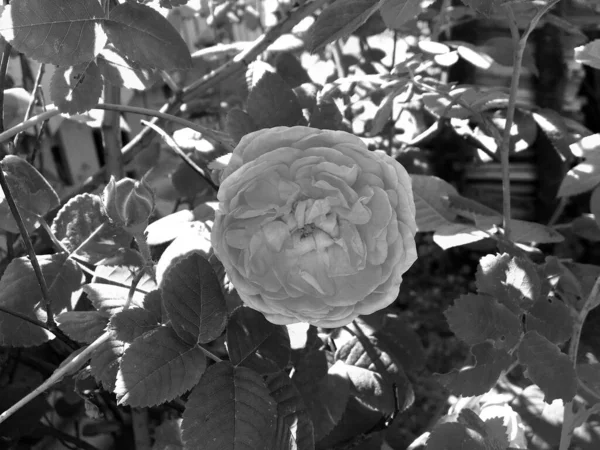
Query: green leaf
(455,436)
(374,384)
(554,127)
(82,326)
(129,324)
(157,367)
(547,367)
(396,13)
(167,435)
(527,232)
(110,299)
(327,116)
(326,401)
(254,342)
(513,281)
(81,217)
(585,176)
(146,37)
(478,318)
(123,276)
(477,380)
(589,54)
(339,20)
(239,124)
(431,202)
(33,195)
(485,7)
(589,374)
(291,70)
(59,32)
(457,234)
(294,428)
(20,292)
(272,103)
(193,300)
(230,409)
(104,364)
(586,227)
(552,319)
(167,228)
(76,89)
(119,70)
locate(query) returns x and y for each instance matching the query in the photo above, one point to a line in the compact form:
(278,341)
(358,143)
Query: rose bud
(129,204)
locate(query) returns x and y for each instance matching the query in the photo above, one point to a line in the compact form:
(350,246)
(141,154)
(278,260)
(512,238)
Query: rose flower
(312,227)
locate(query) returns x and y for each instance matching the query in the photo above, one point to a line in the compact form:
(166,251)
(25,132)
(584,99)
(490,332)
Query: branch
(111,134)
(3,67)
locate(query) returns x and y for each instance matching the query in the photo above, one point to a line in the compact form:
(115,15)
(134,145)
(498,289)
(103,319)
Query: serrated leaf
(239,124)
(59,32)
(20,292)
(384,113)
(513,281)
(190,184)
(119,70)
(78,219)
(375,389)
(431,202)
(123,276)
(479,379)
(479,318)
(157,367)
(76,89)
(167,228)
(272,103)
(110,299)
(146,37)
(294,429)
(254,342)
(131,323)
(396,13)
(487,433)
(33,195)
(586,227)
(167,436)
(547,367)
(291,70)
(104,364)
(326,401)
(230,408)
(552,319)
(326,116)
(526,232)
(485,7)
(455,436)
(193,300)
(339,20)
(589,374)
(82,326)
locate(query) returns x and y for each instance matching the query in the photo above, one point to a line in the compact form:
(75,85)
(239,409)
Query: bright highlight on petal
(312,227)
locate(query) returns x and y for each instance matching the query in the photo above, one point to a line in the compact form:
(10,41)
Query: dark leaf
(76,89)
(82,326)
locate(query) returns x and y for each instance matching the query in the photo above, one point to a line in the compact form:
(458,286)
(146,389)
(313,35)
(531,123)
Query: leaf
(143,35)
(478,318)
(76,89)
(33,195)
(59,32)
(589,54)
(239,124)
(547,367)
(82,326)
(254,342)
(230,408)
(123,276)
(431,194)
(104,364)
(157,367)
(129,324)
(396,13)
(479,379)
(526,232)
(584,177)
(339,20)
(294,428)
(272,103)
(81,217)
(552,319)
(375,389)
(457,234)
(167,228)
(193,300)
(119,70)
(327,116)
(110,299)
(455,436)
(556,130)
(513,281)
(167,435)
(20,292)
(326,401)
(291,70)
(189,183)
(485,7)
(586,227)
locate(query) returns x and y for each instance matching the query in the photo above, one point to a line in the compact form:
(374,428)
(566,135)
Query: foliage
(140,315)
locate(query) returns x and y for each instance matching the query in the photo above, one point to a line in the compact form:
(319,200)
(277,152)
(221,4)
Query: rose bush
(312,227)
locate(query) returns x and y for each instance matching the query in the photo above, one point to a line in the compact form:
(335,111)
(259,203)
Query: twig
(81,444)
(18,315)
(111,134)
(36,87)
(3,67)
(30,250)
(173,145)
(215,136)
(35,120)
(77,360)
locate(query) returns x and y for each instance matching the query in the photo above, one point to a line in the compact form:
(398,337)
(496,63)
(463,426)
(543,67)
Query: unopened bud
(129,204)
